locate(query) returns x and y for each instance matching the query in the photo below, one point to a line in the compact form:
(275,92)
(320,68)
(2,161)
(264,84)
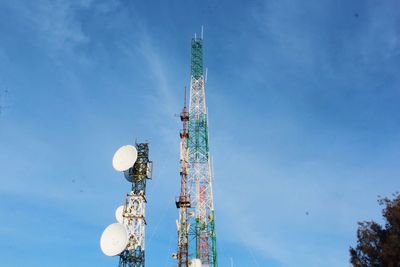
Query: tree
(379,246)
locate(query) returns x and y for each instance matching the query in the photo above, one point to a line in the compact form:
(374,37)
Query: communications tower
(134,209)
(126,238)
(202,236)
(183,201)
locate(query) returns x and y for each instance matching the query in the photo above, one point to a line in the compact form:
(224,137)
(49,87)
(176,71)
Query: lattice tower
(135,209)
(202,225)
(183,201)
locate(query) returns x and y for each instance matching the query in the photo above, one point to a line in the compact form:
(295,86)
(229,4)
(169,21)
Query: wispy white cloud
(158,67)
(275,157)
(298,166)
(55,24)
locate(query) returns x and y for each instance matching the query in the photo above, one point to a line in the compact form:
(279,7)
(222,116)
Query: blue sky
(303,100)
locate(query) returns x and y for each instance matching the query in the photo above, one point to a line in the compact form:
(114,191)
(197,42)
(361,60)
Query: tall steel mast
(183,201)
(199,179)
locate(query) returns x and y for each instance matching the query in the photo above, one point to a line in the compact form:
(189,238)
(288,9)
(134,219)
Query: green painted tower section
(203,245)
(196,66)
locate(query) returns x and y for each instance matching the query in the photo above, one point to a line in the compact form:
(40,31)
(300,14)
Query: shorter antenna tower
(183,201)
(134,162)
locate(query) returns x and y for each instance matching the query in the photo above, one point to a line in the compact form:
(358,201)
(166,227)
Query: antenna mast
(135,207)
(126,238)
(183,201)
(199,176)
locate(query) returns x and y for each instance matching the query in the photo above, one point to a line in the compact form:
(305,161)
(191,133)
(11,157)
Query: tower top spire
(184,100)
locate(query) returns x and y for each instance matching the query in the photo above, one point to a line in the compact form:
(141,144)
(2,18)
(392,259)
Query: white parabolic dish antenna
(114,239)
(124,158)
(118,214)
(195,263)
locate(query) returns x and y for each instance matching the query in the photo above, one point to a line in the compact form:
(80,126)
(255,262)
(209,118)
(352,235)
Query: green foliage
(379,245)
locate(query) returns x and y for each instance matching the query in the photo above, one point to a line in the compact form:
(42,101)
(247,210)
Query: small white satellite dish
(119,214)
(124,158)
(114,239)
(195,263)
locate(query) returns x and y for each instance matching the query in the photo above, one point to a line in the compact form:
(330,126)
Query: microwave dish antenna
(119,214)
(114,239)
(124,158)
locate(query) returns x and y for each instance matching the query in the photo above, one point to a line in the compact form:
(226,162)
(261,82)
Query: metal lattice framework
(135,208)
(199,178)
(183,201)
